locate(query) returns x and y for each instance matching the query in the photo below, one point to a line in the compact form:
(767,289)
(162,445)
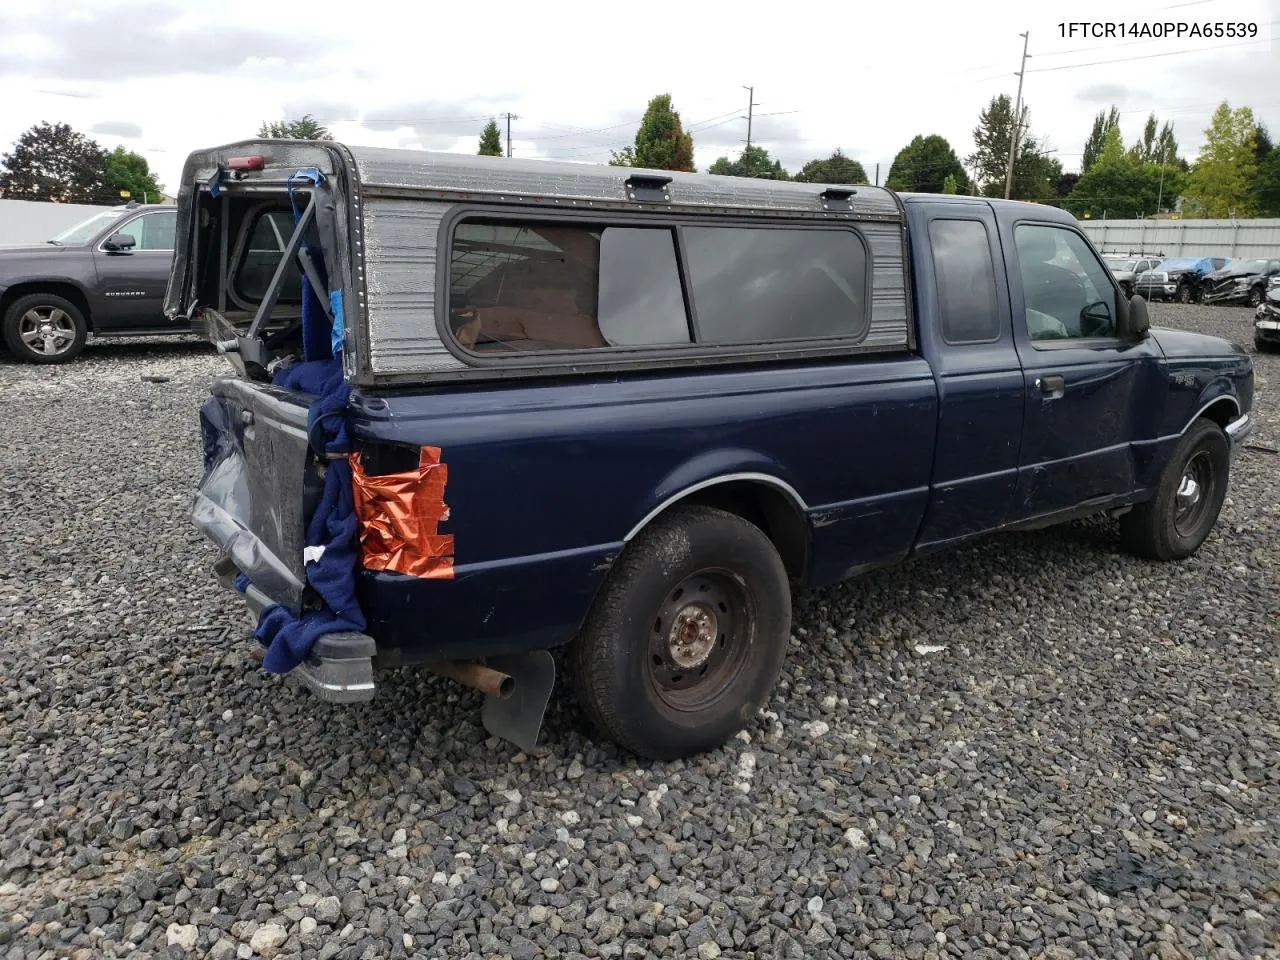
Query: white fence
(1187,238)
(26,221)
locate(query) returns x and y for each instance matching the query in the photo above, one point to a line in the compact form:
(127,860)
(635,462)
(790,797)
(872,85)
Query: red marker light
(246,163)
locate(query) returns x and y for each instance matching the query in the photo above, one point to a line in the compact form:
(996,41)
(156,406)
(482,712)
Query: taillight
(246,163)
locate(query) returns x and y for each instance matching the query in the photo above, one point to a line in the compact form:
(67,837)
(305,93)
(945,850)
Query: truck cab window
(1068,293)
(965,279)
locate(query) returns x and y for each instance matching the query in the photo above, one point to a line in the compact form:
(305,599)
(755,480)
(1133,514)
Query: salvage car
(105,276)
(529,405)
(1177,278)
(1240,281)
(1127,268)
(1266,322)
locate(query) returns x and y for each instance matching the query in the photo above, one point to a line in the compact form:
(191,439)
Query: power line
(1151,56)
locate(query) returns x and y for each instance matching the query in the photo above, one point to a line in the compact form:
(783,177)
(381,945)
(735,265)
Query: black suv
(105,276)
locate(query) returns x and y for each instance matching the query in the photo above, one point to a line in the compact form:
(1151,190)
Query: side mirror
(119,243)
(1138,323)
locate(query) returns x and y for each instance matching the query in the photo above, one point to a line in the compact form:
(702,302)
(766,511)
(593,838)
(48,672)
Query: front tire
(1188,498)
(1255,297)
(43,328)
(684,644)
(1184,293)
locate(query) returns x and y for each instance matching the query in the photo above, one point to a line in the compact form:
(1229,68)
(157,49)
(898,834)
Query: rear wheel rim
(700,638)
(1194,495)
(47,330)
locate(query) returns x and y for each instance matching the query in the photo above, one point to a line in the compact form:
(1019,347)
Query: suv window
(754,283)
(965,280)
(519,286)
(269,233)
(152,231)
(1068,292)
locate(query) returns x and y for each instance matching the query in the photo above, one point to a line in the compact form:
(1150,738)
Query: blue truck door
(1088,391)
(965,326)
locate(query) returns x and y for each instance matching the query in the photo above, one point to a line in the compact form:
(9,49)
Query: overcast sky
(164,78)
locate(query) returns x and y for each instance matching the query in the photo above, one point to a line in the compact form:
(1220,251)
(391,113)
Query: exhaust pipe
(476,676)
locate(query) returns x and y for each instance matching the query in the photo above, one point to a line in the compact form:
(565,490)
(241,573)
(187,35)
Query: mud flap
(518,717)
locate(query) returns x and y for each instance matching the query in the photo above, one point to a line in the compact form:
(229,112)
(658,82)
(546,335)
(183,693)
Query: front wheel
(1255,297)
(1188,498)
(685,642)
(1184,293)
(43,328)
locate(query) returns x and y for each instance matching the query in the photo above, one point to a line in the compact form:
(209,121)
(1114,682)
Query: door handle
(1051,385)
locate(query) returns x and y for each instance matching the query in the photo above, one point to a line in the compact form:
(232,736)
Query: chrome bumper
(340,667)
(1238,431)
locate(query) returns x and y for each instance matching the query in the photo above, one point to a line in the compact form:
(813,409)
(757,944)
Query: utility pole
(751,105)
(510,117)
(1160,193)
(1016,124)
(877,173)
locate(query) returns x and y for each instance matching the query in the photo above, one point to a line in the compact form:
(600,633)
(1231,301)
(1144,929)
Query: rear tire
(1188,498)
(684,645)
(43,328)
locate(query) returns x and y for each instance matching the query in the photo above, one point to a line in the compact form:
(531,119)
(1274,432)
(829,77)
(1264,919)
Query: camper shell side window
(518,284)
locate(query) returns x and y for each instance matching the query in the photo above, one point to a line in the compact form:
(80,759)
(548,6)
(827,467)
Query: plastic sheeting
(400,515)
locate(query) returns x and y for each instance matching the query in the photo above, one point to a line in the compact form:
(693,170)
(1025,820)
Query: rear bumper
(340,666)
(1238,431)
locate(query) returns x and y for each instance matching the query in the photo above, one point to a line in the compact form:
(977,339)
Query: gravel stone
(1080,716)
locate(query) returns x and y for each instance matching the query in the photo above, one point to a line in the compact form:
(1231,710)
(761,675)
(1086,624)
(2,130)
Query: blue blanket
(332,528)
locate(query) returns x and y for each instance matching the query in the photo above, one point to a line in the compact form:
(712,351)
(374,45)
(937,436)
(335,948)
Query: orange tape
(400,515)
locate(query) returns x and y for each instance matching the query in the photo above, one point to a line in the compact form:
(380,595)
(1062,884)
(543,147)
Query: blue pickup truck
(526,405)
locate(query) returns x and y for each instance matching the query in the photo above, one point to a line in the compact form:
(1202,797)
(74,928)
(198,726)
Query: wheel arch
(1221,410)
(66,289)
(770,503)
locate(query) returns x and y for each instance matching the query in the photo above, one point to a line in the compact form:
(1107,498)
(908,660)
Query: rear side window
(966,283)
(518,286)
(753,284)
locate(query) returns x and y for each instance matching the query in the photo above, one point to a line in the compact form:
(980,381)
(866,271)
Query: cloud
(148,39)
(117,128)
(435,124)
(1103,93)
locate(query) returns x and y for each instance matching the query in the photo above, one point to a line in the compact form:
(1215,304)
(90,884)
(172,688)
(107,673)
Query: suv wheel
(43,328)
(1255,296)
(1188,498)
(1184,293)
(684,644)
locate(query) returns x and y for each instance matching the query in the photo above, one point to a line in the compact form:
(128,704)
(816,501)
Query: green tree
(923,165)
(1267,186)
(1103,122)
(53,162)
(490,140)
(129,172)
(1153,146)
(1222,182)
(1120,184)
(836,168)
(754,161)
(661,141)
(949,185)
(1035,172)
(305,128)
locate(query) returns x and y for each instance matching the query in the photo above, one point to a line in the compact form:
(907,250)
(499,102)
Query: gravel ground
(964,755)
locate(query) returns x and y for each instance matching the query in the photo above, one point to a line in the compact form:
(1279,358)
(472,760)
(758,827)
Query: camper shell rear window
(518,285)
